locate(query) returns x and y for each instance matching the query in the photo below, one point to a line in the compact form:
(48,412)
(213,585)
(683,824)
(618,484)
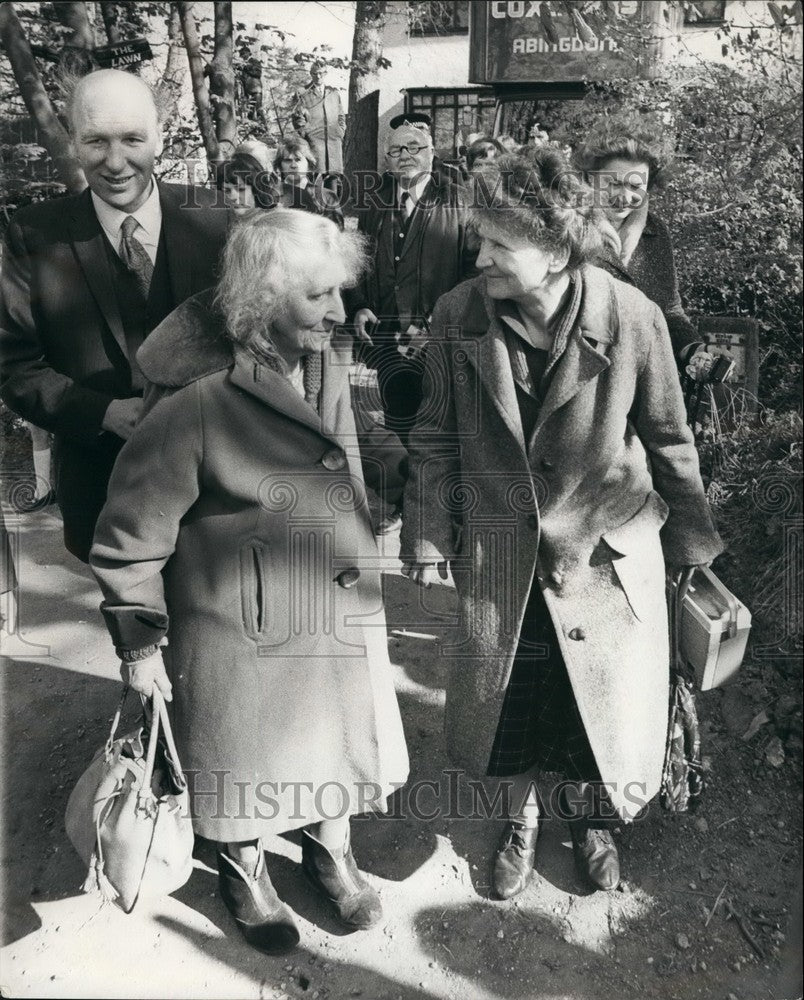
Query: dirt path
(660,936)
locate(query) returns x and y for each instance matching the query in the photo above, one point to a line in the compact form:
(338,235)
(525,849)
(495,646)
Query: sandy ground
(664,934)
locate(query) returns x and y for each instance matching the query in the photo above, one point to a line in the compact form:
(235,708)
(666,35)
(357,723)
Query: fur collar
(188,344)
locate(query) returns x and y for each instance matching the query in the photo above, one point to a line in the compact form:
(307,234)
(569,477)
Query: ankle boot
(513,863)
(336,876)
(264,920)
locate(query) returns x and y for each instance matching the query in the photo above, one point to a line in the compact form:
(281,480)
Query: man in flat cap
(417,221)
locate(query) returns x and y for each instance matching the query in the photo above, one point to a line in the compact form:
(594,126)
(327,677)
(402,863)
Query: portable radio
(713,630)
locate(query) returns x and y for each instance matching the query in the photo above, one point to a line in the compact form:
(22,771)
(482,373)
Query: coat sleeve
(689,536)
(28,384)
(433,456)
(155,481)
(682,332)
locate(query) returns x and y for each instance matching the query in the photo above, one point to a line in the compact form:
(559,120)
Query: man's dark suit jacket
(63,352)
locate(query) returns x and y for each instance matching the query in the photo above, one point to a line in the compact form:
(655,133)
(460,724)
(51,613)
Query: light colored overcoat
(606,489)
(237,523)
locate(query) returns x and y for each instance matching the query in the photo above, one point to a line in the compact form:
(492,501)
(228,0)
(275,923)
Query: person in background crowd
(319,118)
(247,180)
(85,279)
(238,509)
(623,170)
(559,486)
(483,150)
(417,222)
(299,186)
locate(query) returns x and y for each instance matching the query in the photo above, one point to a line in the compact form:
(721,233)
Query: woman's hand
(364,318)
(142,675)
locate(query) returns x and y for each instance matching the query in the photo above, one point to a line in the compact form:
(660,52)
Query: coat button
(577,634)
(333,460)
(533,521)
(348,578)
(547,465)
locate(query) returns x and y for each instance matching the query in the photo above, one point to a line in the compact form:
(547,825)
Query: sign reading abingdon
(528,41)
(122,54)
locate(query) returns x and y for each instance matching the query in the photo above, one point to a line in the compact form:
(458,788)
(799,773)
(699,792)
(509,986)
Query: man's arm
(28,384)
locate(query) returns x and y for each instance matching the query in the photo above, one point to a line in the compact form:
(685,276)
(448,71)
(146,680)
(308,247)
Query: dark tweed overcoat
(237,523)
(606,490)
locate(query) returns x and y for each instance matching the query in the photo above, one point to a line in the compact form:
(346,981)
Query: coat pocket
(254,603)
(637,557)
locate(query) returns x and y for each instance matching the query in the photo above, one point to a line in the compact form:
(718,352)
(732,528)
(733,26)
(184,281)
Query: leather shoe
(336,876)
(595,855)
(264,920)
(513,863)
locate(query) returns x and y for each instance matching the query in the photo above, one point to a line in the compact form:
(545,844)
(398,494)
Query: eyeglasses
(412,147)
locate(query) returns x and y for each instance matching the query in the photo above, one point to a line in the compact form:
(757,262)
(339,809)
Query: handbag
(128,816)
(682,775)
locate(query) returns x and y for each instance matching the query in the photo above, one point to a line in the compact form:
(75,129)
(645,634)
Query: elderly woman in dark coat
(237,526)
(623,169)
(552,468)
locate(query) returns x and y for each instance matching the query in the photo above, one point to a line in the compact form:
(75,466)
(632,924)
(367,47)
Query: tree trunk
(110,15)
(51,132)
(76,58)
(170,86)
(202,105)
(360,142)
(222,81)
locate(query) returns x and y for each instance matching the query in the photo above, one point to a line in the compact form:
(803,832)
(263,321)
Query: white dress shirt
(148,216)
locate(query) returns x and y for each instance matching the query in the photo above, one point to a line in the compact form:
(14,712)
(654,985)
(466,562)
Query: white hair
(266,253)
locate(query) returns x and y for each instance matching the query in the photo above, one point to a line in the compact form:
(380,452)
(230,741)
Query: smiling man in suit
(87,277)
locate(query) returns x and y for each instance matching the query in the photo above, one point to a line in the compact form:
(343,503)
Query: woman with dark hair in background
(299,185)
(623,169)
(552,467)
(248,180)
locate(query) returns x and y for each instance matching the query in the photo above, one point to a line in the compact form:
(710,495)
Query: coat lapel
(420,218)
(180,243)
(491,359)
(89,244)
(580,361)
(275,391)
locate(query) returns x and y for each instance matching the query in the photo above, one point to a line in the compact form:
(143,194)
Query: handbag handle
(159,704)
(158,714)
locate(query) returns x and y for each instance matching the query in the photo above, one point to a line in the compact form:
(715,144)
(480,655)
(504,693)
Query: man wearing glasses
(417,223)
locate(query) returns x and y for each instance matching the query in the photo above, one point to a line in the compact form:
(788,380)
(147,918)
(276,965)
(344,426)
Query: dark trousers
(82,475)
(400,384)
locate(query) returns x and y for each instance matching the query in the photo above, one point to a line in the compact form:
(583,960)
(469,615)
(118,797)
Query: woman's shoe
(264,920)
(336,876)
(513,863)
(596,855)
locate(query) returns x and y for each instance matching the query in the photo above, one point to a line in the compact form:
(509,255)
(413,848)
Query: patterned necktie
(134,255)
(406,205)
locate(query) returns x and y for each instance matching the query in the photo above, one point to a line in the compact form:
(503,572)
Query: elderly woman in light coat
(552,469)
(237,526)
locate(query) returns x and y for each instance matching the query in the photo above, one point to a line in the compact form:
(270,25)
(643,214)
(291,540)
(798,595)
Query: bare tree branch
(52,133)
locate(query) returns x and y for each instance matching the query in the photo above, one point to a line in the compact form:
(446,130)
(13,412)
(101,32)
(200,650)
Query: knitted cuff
(135,655)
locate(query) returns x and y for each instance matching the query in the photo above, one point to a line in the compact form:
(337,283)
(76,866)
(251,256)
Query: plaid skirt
(540,725)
